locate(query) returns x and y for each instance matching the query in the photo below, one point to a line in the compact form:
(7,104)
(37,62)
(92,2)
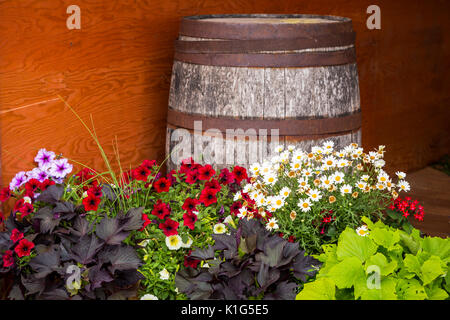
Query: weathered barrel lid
(263,26)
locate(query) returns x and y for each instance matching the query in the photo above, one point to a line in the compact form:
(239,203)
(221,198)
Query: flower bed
(282,229)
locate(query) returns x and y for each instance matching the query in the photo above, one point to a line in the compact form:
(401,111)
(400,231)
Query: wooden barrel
(238,80)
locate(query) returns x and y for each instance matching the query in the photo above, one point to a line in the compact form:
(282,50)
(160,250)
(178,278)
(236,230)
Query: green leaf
(431,269)
(320,289)
(412,264)
(380,260)
(437,247)
(436,293)
(411,290)
(386,290)
(353,245)
(385,237)
(347,272)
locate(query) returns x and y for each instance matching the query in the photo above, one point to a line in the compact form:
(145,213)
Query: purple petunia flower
(44,158)
(37,173)
(60,168)
(19,179)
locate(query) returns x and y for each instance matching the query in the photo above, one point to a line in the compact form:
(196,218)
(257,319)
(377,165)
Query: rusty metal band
(246,46)
(281,60)
(204,26)
(286,127)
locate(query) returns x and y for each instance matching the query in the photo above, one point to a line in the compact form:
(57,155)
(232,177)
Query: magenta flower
(38,174)
(19,179)
(60,168)
(44,158)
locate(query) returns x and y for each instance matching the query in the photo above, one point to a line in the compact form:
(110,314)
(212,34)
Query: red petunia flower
(32,185)
(147,221)
(95,191)
(141,173)
(206,172)
(85,174)
(24,247)
(208,197)
(149,164)
(162,185)
(5,194)
(126,177)
(169,227)
(161,209)
(8,259)
(188,165)
(214,185)
(190,204)
(189,220)
(226,177)
(16,235)
(190,262)
(234,209)
(192,176)
(45,184)
(239,173)
(91,202)
(19,203)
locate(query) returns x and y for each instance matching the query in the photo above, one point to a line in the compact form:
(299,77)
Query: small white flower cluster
(324,174)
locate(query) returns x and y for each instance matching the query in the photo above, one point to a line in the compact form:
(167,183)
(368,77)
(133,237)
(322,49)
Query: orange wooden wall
(118,66)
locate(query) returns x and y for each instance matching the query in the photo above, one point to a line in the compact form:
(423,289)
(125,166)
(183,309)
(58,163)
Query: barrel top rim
(216,26)
(210,17)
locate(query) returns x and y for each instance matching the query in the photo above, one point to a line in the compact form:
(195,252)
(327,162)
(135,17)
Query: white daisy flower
(329,162)
(361,185)
(254,169)
(291,148)
(285,192)
(317,150)
(242,212)
(403,185)
(379,163)
(272,224)
(383,177)
(270,179)
(278,202)
(338,177)
(401,175)
(279,149)
(328,146)
(315,195)
(298,156)
(346,189)
(362,231)
(303,182)
(304,205)
(237,196)
(174,242)
(26,199)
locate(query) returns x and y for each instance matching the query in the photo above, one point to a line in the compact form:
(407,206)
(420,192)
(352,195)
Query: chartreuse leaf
(435,292)
(437,247)
(352,245)
(347,272)
(371,289)
(320,289)
(380,260)
(385,237)
(411,289)
(412,264)
(431,269)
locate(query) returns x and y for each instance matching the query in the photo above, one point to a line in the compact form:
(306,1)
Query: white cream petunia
(164,274)
(149,296)
(219,228)
(174,242)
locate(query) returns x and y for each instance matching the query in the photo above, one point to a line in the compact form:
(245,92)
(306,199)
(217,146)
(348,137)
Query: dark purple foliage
(250,263)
